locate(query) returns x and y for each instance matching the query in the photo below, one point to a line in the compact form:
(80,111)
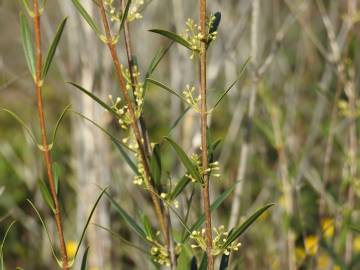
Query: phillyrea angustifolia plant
(166,246)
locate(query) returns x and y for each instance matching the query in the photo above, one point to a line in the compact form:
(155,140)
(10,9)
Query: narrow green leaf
(67,108)
(173,36)
(180,186)
(219,200)
(189,165)
(27,44)
(154,63)
(193,264)
(112,137)
(46,195)
(204,262)
(125,15)
(87,17)
(26,6)
(128,219)
(155,165)
(128,160)
(178,120)
(123,240)
(88,221)
(163,86)
(95,98)
(232,85)
(84,259)
(147,227)
(3,243)
(52,49)
(55,168)
(22,123)
(46,230)
(224,263)
(236,232)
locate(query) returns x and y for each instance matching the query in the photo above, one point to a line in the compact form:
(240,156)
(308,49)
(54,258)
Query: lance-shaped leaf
(193,264)
(224,263)
(52,49)
(22,123)
(163,86)
(88,221)
(84,259)
(180,186)
(125,15)
(67,108)
(153,65)
(188,163)
(232,85)
(46,231)
(147,227)
(219,200)
(46,195)
(204,262)
(119,145)
(55,168)
(87,17)
(128,219)
(236,232)
(3,243)
(95,98)
(155,165)
(173,36)
(27,44)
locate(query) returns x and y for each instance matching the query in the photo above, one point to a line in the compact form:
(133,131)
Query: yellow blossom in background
(356,244)
(94,268)
(322,262)
(311,243)
(328,227)
(300,255)
(336,267)
(71,248)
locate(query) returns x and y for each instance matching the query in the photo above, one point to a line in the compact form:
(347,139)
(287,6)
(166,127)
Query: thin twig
(135,127)
(46,151)
(204,152)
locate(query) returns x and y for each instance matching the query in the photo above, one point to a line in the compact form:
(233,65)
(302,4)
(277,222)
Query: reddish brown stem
(134,125)
(204,152)
(46,151)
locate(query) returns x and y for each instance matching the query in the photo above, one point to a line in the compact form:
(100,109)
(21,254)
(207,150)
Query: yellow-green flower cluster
(134,12)
(116,13)
(160,255)
(211,35)
(122,111)
(165,196)
(193,36)
(218,241)
(190,99)
(138,88)
(344,108)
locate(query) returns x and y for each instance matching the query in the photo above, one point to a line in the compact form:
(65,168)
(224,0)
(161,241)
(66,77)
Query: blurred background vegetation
(289,128)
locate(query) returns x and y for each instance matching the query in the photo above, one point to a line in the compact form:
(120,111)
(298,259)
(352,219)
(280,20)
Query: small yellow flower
(311,244)
(322,261)
(336,267)
(71,248)
(356,244)
(328,227)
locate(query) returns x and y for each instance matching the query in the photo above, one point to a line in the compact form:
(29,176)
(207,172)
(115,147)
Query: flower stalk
(46,150)
(134,122)
(204,148)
